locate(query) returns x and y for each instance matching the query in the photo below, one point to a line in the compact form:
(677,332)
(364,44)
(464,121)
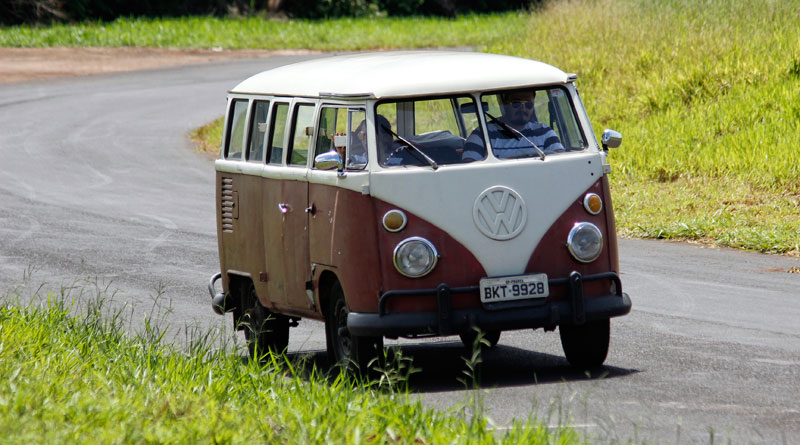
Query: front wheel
(586,345)
(351,351)
(264,330)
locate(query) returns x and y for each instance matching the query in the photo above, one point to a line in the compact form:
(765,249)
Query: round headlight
(585,242)
(415,257)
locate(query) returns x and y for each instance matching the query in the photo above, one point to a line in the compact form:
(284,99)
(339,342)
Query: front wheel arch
(326,281)
(356,353)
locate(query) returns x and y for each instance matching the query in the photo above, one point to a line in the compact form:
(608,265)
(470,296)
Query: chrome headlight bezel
(401,253)
(582,234)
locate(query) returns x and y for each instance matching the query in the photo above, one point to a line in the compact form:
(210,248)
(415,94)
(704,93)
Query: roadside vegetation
(343,34)
(82,379)
(706,99)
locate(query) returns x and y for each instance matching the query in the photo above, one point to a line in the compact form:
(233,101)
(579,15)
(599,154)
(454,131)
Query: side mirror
(329,161)
(610,139)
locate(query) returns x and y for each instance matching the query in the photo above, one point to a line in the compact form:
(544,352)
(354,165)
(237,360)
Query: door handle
(284,208)
(311,210)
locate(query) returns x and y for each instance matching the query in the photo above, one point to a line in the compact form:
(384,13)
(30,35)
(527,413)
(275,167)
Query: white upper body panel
(447,199)
(401,74)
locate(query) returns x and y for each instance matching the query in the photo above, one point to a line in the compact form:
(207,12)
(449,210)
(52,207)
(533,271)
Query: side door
(274,274)
(294,207)
(338,124)
(343,226)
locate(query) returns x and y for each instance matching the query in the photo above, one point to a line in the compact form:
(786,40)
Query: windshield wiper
(430,161)
(516,133)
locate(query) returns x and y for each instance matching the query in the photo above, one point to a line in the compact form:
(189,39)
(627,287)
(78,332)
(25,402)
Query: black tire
(468,338)
(265,331)
(586,345)
(355,353)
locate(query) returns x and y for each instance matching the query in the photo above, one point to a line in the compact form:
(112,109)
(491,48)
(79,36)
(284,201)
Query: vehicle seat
(441,145)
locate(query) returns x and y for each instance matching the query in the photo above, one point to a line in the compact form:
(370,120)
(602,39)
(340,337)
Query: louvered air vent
(228,204)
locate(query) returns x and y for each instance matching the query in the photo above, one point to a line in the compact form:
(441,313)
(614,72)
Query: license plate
(495,290)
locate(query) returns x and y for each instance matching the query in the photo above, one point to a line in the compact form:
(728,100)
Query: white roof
(401,73)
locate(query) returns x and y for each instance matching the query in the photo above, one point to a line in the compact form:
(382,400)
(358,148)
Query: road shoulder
(27,64)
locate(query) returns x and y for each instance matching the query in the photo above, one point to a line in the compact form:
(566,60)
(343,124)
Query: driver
(518,113)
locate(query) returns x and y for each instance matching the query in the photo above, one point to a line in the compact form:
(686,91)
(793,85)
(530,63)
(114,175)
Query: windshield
(527,123)
(440,131)
(427,132)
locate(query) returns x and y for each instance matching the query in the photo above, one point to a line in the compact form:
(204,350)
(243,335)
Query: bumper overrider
(574,310)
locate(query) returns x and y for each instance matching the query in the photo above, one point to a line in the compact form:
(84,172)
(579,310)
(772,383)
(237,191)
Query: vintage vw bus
(410,194)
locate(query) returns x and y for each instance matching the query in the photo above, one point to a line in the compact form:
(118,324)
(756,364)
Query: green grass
(707,99)
(725,211)
(208,136)
(81,379)
(697,90)
(254,32)
(706,95)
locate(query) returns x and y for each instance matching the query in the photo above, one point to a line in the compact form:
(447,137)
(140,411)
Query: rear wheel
(265,331)
(351,351)
(586,345)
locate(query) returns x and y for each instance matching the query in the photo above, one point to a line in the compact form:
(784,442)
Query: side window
(258,130)
(345,131)
(357,139)
(236,130)
(332,121)
(276,131)
(302,132)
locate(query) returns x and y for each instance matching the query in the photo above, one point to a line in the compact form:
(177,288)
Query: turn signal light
(394,220)
(592,203)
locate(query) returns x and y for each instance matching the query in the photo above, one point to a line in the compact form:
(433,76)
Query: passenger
(358,145)
(518,113)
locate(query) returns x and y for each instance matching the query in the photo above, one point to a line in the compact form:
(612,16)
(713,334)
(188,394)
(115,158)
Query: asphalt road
(101,190)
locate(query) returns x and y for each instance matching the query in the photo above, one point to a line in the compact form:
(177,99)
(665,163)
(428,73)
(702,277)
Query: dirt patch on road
(22,64)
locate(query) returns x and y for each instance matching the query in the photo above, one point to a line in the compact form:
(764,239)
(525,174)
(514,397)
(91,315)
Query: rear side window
(236,130)
(276,132)
(258,130)
(301,134)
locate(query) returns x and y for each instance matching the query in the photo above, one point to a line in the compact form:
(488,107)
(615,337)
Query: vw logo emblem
(499,213)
